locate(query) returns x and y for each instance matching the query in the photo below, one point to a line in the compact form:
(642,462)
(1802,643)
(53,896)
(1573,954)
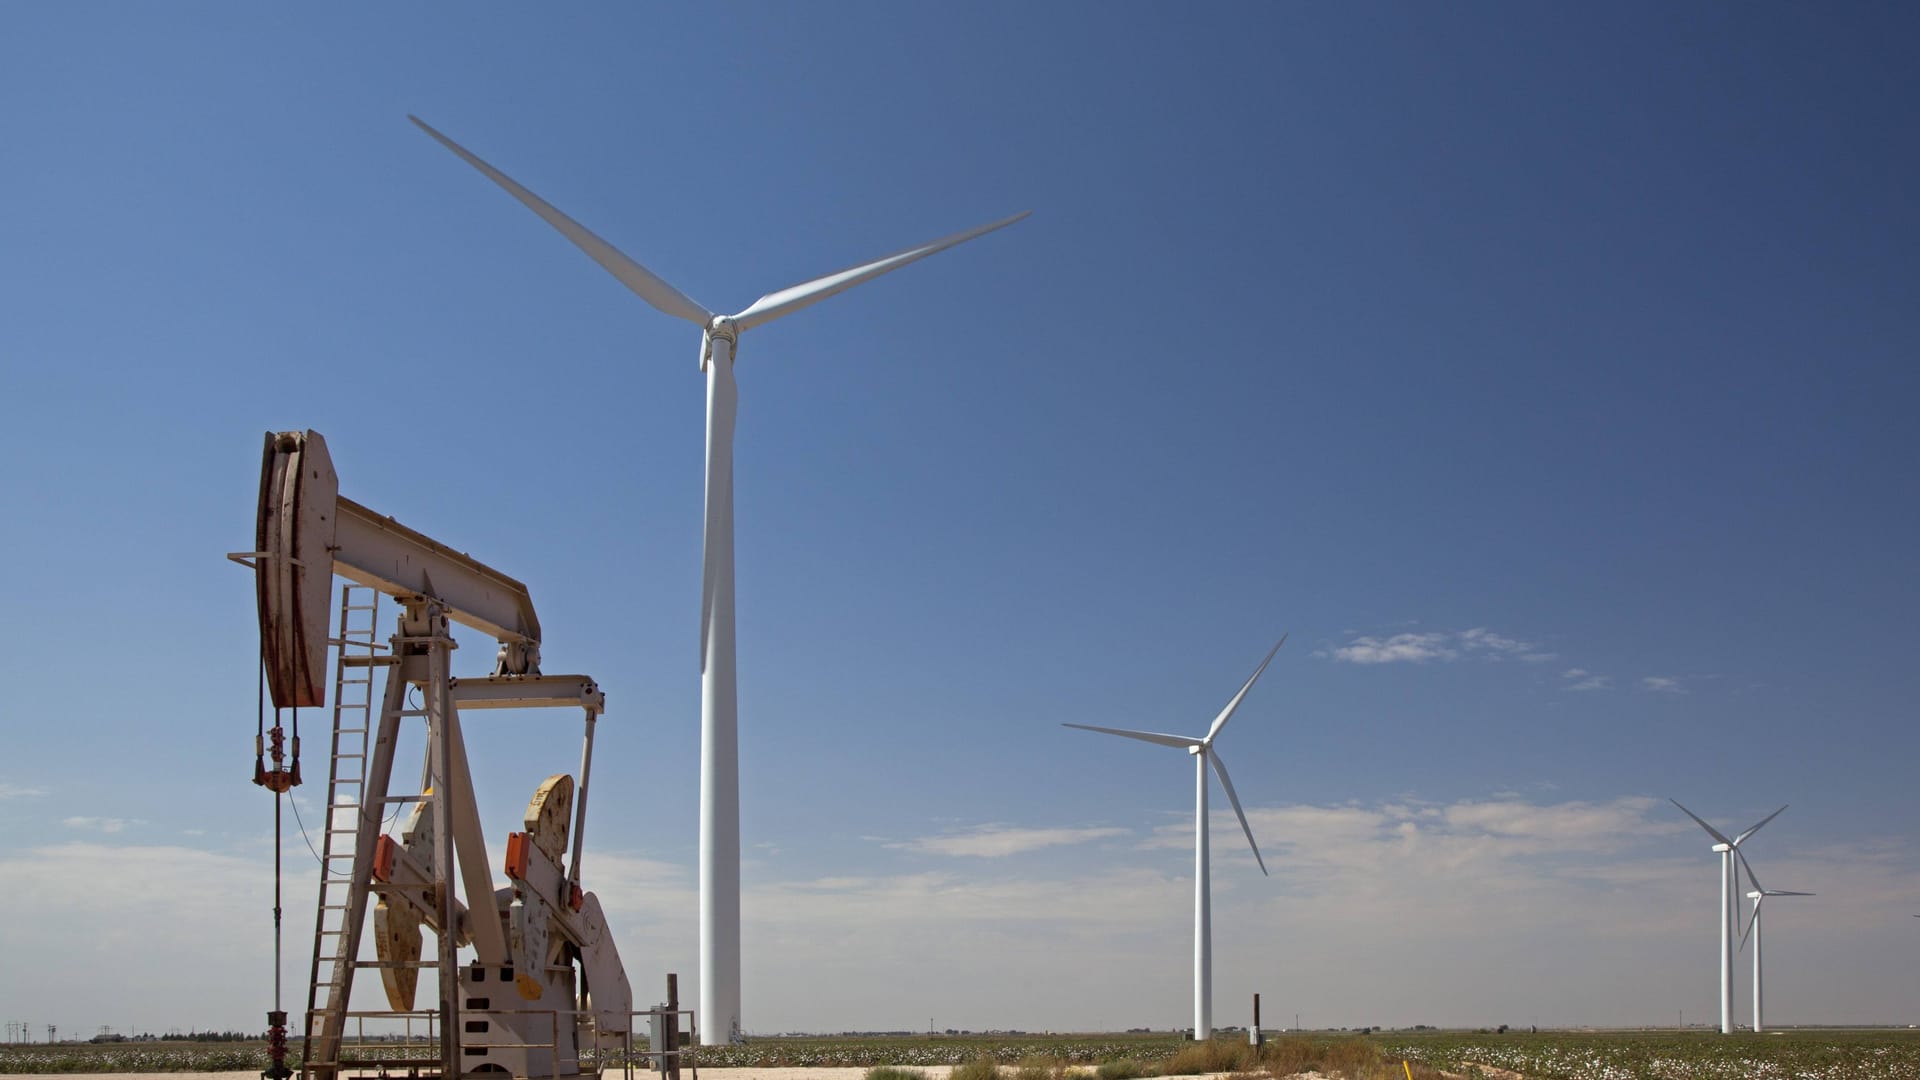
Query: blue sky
(1546,373)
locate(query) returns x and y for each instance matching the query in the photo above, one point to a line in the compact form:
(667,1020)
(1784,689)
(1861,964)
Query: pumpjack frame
(545,981)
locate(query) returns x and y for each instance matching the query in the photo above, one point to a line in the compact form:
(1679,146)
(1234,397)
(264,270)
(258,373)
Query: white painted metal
(720,1008)
(720,990)
(1202,903)
(1203,756)
(1729,911)
(1727,940)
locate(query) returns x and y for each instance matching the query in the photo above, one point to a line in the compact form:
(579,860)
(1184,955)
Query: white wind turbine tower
(719,746)
(1728,906)
(1203,753)
(1758,895)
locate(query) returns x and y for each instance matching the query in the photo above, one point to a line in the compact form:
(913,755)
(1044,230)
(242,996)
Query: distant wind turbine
(1758,895)
(719,721)
(1728,914)
(1204,753)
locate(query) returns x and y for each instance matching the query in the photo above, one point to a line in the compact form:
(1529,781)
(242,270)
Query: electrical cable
(303,833)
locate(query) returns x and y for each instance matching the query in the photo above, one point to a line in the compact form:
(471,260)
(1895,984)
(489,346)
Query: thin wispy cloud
(20,791)
(998,841)
(1464,831)
(1400,648)
(1419,647)
(1662,684)
(100,824)
(1582,680)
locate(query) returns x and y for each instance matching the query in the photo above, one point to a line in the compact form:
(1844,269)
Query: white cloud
(996,841)
(1420,647)
(20,791)
(1582,680)
(1482,638)
(1374,906)
(100,824)
(1416,648)
(1662,684)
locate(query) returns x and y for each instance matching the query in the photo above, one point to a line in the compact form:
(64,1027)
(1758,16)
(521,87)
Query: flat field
(1825,1054)
(1819,1054)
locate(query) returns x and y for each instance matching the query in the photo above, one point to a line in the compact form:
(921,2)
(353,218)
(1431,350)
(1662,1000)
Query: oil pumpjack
(543,992)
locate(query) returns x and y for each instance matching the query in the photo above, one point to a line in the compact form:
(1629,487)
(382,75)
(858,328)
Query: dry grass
(1212,1056)
(1119,1069)
(895,1072)
(980,1068)
(1041,1067)
(1352,1058)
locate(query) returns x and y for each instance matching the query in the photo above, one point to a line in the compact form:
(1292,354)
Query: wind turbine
(1203,753)
(1758,895)
(1728,883)
(719,744)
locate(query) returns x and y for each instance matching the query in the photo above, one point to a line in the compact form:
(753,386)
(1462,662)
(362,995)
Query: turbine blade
(648,285)
(1783,892)
(1174,741)
(1220,769)
(1227,713)
(722,403)
(1748,867)
(794,297)
(1756,828)
(1754,919)
(1711,831)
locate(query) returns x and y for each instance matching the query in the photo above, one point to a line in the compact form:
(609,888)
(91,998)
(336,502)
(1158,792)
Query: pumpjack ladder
(358,652)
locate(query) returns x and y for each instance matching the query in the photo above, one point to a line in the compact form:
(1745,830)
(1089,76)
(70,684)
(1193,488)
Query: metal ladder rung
(369,661)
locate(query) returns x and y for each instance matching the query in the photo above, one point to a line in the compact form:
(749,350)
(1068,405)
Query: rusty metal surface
(293,534)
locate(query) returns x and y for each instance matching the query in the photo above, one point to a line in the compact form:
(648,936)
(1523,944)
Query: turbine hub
(721,328)
(1197,748)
